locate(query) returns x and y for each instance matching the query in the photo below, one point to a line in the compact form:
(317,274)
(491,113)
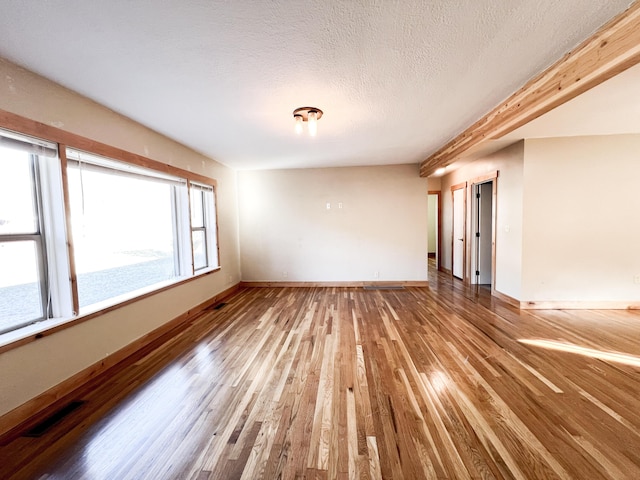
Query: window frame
(209,224)
(86,163)
(65,260)
(37,236)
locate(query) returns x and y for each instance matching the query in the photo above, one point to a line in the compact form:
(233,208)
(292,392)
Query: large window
(124,234)
(132,229)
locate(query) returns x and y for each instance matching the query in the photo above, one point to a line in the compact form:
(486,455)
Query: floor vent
(383,287)
(215,306)
(44,426)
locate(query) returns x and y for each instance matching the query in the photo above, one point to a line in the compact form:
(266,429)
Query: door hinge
(478,234)
(477,195)
(477,273)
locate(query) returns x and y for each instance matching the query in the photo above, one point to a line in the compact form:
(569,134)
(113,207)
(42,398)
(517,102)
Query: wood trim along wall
(458,186)
(438,193)
(35,410)
(485,178)
(505,298)
(579,305)
(19,124)
(405,283)
(494,232)
(73,277)
(612,49)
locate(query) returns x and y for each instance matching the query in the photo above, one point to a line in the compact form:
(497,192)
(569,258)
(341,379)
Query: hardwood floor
(331,383)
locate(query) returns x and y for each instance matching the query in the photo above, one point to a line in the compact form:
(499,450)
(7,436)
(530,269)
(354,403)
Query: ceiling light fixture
(311,115)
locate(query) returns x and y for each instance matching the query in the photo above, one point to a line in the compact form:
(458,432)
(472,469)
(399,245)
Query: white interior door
(458,233)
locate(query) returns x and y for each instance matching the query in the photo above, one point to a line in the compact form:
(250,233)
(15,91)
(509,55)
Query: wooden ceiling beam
(611,50)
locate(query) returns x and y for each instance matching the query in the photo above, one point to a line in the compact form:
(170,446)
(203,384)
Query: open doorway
(483,233)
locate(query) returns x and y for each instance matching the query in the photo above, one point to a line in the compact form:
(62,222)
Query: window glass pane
(122,232)
(17,212)
(212,229)
(20,297)
(197,213)
(199,249)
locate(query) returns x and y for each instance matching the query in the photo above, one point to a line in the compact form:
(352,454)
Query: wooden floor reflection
(334,383)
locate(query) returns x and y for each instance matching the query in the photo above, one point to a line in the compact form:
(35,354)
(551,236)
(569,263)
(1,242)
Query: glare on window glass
(17,212)
(20,298)
(199,249)
(122,232)
(197,212)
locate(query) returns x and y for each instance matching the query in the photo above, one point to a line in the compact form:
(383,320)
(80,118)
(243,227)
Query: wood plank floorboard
(442,382)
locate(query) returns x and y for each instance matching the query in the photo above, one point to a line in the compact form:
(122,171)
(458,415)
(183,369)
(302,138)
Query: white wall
(581,216)
(286,227)
(31,369)
(509,163)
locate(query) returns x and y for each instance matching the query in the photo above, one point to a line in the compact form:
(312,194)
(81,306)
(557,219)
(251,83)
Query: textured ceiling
(396,79)
(611,108)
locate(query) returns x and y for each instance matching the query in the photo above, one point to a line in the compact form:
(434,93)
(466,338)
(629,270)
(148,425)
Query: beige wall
(434,184)
(31,369)
(581,207)
(509,163)
(566,219)
(381,227)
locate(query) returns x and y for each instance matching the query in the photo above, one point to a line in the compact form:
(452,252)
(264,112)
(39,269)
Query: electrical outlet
(376,274)
(328,206)
(340,205)
(285,274)
(636,279)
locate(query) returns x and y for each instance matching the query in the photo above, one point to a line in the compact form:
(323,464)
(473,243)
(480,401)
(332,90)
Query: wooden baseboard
(506,298)
(418,283)
(580,305)
(445,270)
(27,415)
